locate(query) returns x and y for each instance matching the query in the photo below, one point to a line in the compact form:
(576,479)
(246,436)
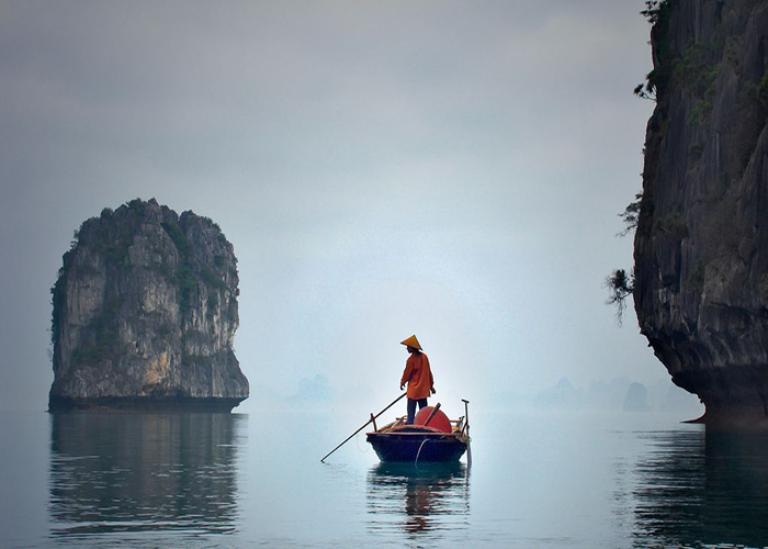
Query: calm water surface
(202,480)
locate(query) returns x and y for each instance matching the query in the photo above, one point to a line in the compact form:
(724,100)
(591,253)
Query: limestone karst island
(145,312)
(701,246)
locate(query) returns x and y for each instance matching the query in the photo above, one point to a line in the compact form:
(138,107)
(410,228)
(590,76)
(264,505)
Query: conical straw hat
(411,342)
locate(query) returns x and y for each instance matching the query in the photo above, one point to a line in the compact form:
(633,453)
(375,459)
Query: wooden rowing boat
(427,440)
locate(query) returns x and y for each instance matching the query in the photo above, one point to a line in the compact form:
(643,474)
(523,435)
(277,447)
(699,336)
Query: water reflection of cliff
(140,472)
(703,487)
(419,501)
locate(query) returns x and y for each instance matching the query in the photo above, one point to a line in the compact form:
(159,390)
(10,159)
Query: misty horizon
(454,174)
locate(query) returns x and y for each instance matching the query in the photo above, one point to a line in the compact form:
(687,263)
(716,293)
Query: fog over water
(382,169)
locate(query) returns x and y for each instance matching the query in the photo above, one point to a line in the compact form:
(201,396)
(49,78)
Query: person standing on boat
(418,376)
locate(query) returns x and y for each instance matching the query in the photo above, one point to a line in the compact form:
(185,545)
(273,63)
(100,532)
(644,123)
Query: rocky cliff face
(701,246)
(145,312)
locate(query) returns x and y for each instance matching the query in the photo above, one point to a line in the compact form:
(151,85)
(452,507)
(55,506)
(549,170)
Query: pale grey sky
(452,169)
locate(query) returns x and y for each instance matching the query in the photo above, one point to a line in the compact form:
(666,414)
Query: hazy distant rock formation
(636,399)
(315,389)
(562,395)
(701,246)
(145,312)
(614,395)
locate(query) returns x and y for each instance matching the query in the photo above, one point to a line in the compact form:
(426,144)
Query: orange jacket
(418,375)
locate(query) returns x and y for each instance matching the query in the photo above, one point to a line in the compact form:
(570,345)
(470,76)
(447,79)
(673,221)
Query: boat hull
(412,447)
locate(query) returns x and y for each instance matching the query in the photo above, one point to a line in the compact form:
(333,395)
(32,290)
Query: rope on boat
(423,442)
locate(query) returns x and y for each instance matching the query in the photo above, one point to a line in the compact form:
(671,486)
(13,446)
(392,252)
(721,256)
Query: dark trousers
(412,408)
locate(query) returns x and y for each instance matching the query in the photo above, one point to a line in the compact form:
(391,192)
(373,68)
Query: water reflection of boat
(418,499)
(135,472)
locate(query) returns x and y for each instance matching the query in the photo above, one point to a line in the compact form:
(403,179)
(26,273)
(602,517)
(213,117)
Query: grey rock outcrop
(701,246)
(145,312)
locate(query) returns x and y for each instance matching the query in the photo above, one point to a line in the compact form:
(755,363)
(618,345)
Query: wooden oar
(466,428)
(431,415)
(363,427)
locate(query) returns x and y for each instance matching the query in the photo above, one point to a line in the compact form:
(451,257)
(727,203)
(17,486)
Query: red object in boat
(439,421)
